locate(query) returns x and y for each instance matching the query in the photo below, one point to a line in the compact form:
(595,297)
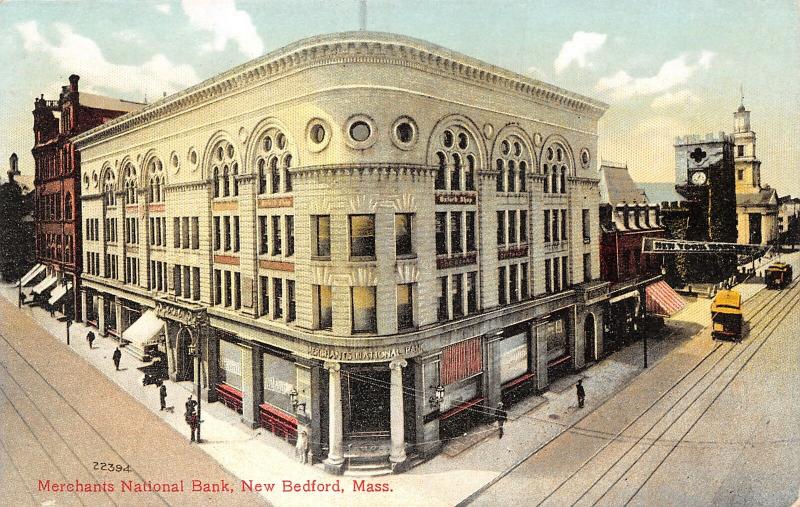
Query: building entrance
(366,395)
(755,228)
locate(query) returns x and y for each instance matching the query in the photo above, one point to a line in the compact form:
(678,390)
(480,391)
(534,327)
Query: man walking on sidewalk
(191,418)
(90,338)
(580,392)
(117,357)
(162,394)
(501,415)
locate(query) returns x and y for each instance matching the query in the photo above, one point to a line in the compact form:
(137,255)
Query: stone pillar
(101,315)
(252,384)
(492,385)
(540,356)
(84,306)
(118,314)
(335,461)
(210,359)
(397,456)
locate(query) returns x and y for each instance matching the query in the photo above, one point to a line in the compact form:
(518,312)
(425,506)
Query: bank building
(364,234)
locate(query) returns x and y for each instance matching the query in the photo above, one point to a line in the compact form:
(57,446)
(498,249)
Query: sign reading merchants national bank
(366,354)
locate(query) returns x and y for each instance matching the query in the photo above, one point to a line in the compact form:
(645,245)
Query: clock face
(698,178)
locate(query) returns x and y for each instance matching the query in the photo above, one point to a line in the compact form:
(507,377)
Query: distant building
(58,188)
(789,219)
(626,218)
(17,253)
(757,205)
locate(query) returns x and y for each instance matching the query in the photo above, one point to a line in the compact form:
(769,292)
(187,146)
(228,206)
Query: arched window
(470,173)
(546,179)
(68,206)
(225,182)
(512,176)
(455,174)
(216,181)
(262,176)
(223,170)
(455,153)
(440,176)
(275,175)
(554,181)
(287,177)
(156,183)
(108,189)
(563,185)
(130,185)
(513,155)
(523,169)
(501,175)
(274,161)
(234,181)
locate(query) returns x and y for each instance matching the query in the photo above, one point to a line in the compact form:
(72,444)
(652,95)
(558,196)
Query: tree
(16,235)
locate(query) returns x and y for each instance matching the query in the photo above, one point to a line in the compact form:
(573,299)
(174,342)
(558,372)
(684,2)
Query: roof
(729,298)
(393,49)
(108,103)
(764,197)
(617,186)
(661,191)
(778,266)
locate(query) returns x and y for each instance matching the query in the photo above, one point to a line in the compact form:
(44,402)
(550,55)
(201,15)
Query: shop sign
(357,355)
(675,246)
(455,198)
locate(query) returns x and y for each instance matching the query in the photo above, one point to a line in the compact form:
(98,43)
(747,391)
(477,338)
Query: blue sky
(666,70)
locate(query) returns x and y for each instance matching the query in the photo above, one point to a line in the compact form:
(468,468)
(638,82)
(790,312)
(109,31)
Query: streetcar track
(19,472)
(680,415)
(74,409)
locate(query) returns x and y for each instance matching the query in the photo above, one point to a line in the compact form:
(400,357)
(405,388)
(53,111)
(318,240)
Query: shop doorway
(366,392)
(589,338)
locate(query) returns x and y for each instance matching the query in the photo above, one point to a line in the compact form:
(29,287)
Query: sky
(666,69)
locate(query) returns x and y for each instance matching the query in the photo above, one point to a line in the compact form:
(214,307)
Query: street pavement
(471,464)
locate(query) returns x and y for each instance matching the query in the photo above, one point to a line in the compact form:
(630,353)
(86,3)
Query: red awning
(461,360)
(663,300)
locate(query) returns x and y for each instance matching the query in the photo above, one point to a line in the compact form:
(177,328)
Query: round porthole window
(175,160)
(404,133)
(193,156)
(267,143)
(585,158)
(318,135)
(504,148)
(447,139)
(281,140)
(463,141)
(360,131)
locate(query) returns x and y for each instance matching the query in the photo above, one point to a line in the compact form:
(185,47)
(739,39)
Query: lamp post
(437,397)
(195,350)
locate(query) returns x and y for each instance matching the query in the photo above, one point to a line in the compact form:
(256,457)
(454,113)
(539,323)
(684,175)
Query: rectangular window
(324,307)
(512,227)
(441,233)
(564,235)
(196,284)
(277,244)
(524,280)
(456,246)
(176,232)
(289,235)
(470,217)
(226,220)
(363,310)
(513,293)
(176,281)
(263,283)
(263,243)
(277,298)
(458,296)
(362,235)
(556,274)
(548,286)
(403,223)
(502,282)
(185,233)
(472,292)
(564,273)
(217,287)
(587,227)
(523,226)
(405,306)
(228,289)
(322,235)
(442,313)
(740,174)
(292,303)
(547,226)
(740,150)
(587,267)
(555,225)
(236,240)
(501,228)
(217,233)
(237,290)
(195,233)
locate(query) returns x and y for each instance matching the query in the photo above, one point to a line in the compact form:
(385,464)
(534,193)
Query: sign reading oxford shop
(364,354)
(677,246)
(453,198)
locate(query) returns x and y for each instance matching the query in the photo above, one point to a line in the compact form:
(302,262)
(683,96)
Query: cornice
(395,169)
(349,47)
(189,185)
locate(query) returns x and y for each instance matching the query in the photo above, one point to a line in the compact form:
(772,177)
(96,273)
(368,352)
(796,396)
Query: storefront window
(230,364)
(279,380)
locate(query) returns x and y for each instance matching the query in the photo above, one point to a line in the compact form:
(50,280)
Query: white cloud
(576,49)
(226,23)
(129,36)
(679,98)
(78,54)
(672,73)
(164,8)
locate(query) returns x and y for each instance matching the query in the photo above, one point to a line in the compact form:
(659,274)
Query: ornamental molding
(189,185)
(344,48)
(365,169)
(192,317)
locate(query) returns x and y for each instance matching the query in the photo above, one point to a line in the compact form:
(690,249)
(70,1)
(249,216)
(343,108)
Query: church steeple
(741,116)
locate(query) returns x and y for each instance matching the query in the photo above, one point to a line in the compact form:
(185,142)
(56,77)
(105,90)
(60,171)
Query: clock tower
(748,167)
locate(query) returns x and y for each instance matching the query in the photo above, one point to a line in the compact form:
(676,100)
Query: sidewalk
(259,456)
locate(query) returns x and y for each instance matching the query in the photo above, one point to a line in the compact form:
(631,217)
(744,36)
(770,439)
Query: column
(492,385)
(118,315)
(252,384)
(101,315)
(335,456)
(84,306)
(396,415)
(540,350)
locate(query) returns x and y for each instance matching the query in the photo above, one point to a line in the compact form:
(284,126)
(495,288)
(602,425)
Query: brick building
(57,182)
(375,237)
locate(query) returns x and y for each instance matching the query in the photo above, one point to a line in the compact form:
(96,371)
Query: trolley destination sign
(676,246)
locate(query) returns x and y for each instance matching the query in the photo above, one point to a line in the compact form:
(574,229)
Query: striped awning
(58,293)
(461,360)
(30,275)
(45,284)
(663,300)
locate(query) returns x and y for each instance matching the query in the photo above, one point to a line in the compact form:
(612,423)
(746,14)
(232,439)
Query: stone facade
(333,145)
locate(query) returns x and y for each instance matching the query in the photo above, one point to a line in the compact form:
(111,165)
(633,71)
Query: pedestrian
(162,394)
(301,447)
(501,416)
(580,392)
(117,357)
(191,418)
(90,338)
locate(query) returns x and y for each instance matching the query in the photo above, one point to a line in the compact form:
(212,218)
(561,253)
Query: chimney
(73,82)
(13,169)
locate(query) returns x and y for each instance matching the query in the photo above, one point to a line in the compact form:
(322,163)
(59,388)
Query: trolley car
(778,275)
(726,315)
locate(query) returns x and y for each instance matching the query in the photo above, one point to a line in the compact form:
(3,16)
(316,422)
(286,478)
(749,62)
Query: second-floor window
(321,228)
(362,235)
(403,223)
(363,309)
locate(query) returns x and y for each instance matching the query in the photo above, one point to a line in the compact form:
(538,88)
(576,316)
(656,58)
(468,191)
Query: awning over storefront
(58,293)
(663,300)
(145,330)
(627,295)
(30,275)
(45,284)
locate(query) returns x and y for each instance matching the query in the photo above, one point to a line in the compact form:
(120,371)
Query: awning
(629,294)
(663,300)
(58,293)
(45,284)
(30,275)
(145,330)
